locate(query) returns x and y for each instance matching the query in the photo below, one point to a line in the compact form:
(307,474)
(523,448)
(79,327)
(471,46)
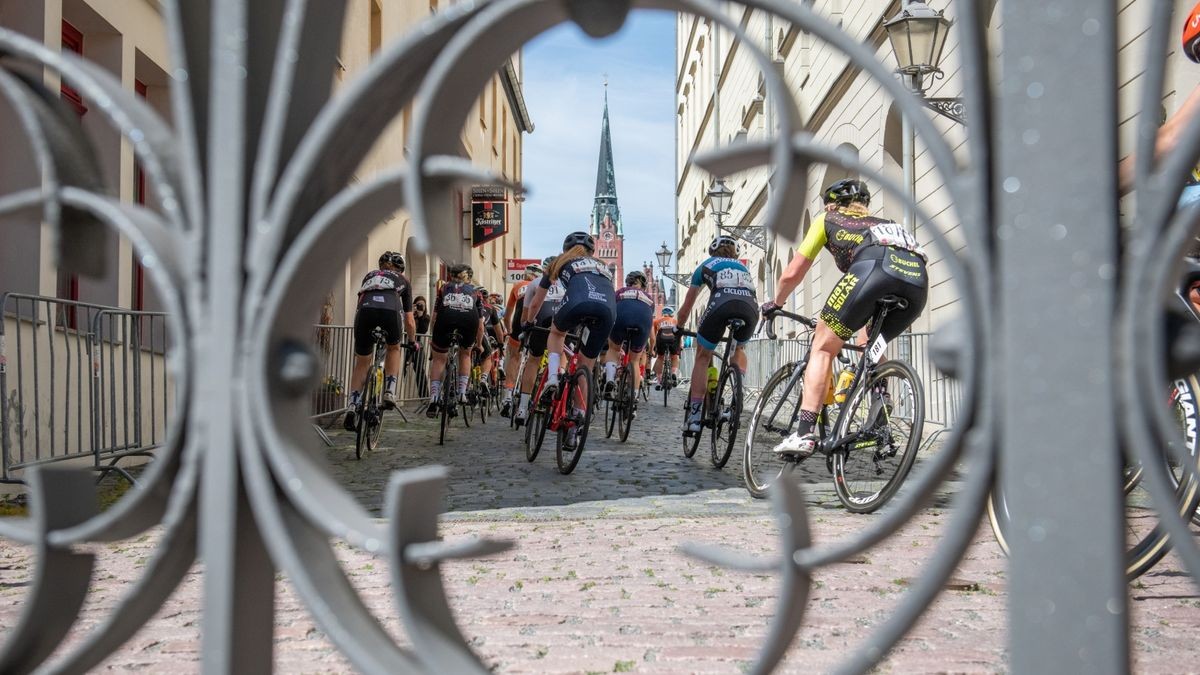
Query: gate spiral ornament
(254,179)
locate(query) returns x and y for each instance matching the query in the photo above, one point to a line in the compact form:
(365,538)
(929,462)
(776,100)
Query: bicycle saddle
(893,302)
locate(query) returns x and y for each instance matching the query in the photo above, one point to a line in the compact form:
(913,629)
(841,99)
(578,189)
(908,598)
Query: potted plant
(328,396)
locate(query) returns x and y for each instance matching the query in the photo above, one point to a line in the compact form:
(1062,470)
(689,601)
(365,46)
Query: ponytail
(574,253)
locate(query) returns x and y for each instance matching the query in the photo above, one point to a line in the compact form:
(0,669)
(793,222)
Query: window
(376,26)
(72,41)
(138,301)
(495,102)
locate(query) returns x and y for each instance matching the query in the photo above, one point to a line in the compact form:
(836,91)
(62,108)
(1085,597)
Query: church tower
(606,224)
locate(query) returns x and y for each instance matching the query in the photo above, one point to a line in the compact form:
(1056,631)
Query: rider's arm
(792,275)
(533,306)
(685,309)
(1169,135)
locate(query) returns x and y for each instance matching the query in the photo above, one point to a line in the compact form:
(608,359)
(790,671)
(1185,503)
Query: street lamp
(719,196)
(664,256)
(918,37)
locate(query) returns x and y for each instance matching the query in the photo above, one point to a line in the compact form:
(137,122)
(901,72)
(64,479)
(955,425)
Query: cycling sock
(462,384)
(552,362)
(523,406)
(508,391)
(389,383)
(355,397)
(694,406)
(435,390)
(808,420)
(610,370)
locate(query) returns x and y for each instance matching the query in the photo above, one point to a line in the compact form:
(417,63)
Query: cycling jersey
(555,294)
(731,295)
(385,289)
(635,310)
(847,233)
(514,294)
(458,307)
(664,329)
(589,296)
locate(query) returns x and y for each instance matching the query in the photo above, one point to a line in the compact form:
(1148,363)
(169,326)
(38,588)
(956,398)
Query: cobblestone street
(597,584)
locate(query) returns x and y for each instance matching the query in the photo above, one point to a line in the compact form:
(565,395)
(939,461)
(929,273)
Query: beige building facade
(127,38)
(842,107)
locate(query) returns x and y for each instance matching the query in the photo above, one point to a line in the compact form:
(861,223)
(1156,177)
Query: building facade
(127,38)
(606,224)
(721,98)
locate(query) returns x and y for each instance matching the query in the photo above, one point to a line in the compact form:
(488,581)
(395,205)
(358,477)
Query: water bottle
(844,382)
(713,374)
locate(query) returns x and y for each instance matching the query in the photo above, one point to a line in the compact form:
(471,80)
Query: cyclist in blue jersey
(731,296)
(635,309)
(589,296)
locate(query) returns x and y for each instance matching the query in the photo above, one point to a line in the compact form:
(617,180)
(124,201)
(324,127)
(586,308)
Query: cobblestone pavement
(596,582)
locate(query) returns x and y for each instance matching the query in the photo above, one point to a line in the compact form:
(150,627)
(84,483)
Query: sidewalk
(599,585)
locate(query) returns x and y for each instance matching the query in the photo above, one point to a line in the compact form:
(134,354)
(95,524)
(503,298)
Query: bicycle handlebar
(770,327)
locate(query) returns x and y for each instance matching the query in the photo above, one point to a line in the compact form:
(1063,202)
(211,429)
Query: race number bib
(876,349)
(378,283)
(556,292)
(894,234)
(458,301)
(729,278)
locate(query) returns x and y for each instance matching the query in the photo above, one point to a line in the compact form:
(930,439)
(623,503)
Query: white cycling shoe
(797,446)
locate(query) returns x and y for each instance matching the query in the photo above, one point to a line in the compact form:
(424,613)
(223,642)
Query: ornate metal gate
(254,185)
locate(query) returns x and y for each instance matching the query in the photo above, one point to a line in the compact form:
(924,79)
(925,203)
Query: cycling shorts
(891,272)
(537,339)
(518,309)
(575,311)
(636,315)
(366,320)
(466,323)
(667,345)
(717,317)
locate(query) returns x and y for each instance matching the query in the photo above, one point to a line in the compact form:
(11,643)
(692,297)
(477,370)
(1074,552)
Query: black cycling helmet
(461,268)
(845,191)
(579,239)
(547,262)
(719,241)
(635,277)
(392,258)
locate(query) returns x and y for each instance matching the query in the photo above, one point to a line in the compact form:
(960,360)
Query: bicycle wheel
(1146,542)
(666,395)
(727,415)
(577,399)
(691,442)
(516,396)
(773,419)
(887,415)
(612,413)
(362,430)
(375,430)
(451,375)
(627,396)
(482,399)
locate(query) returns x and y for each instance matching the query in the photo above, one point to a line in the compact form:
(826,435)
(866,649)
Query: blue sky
(564,89)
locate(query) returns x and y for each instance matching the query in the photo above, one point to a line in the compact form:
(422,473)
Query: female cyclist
(542,318)
(589,295)
(877,257)
(635,309)
(731,296)
(457,307)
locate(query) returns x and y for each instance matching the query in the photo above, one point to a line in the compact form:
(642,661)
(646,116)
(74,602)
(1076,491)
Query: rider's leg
(739,358)
(554,345)
(358,377)
(437,368)
(391,368)
(611,360)
(512,361)
(464,370)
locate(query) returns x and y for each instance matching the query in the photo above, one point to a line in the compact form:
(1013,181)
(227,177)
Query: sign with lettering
(514,268)
(489,193)
(488,221)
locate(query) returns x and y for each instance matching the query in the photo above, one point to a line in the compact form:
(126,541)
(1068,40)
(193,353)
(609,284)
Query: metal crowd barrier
(764,357)
(334,346)
(80,382)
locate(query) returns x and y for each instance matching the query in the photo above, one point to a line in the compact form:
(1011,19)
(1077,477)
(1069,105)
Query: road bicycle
(450,399)
(644,389)
(1146,541)
(869,442)
(667,381)
(563,408)
(370,409)
(478,393)
(522,364)
(721,410)
(621,403)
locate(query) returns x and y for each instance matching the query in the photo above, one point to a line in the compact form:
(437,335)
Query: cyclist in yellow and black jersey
(877,257)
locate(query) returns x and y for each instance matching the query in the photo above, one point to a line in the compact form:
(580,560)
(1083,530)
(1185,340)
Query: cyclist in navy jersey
(383,297)
(731,296)
(635,309)
(457,308)
(589,295)
(542,318)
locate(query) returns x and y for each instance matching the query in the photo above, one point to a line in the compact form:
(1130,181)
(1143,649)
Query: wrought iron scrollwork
(253,176)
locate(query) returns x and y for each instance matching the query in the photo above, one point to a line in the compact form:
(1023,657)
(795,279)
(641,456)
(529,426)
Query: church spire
(606,179)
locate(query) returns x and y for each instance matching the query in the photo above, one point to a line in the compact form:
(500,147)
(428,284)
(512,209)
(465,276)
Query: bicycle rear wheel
(627,396)
(612,414)
(773,419)
(577,398)
(1146,542)
(692,441)
(726,415)
(887,415)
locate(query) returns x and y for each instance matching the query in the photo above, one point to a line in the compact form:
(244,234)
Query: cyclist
(492,338)
(589,296)
(383,296)
(666,344)
(512,323)
(877,257)
(543,317)
(731,296)
(457,308)
(635,309)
